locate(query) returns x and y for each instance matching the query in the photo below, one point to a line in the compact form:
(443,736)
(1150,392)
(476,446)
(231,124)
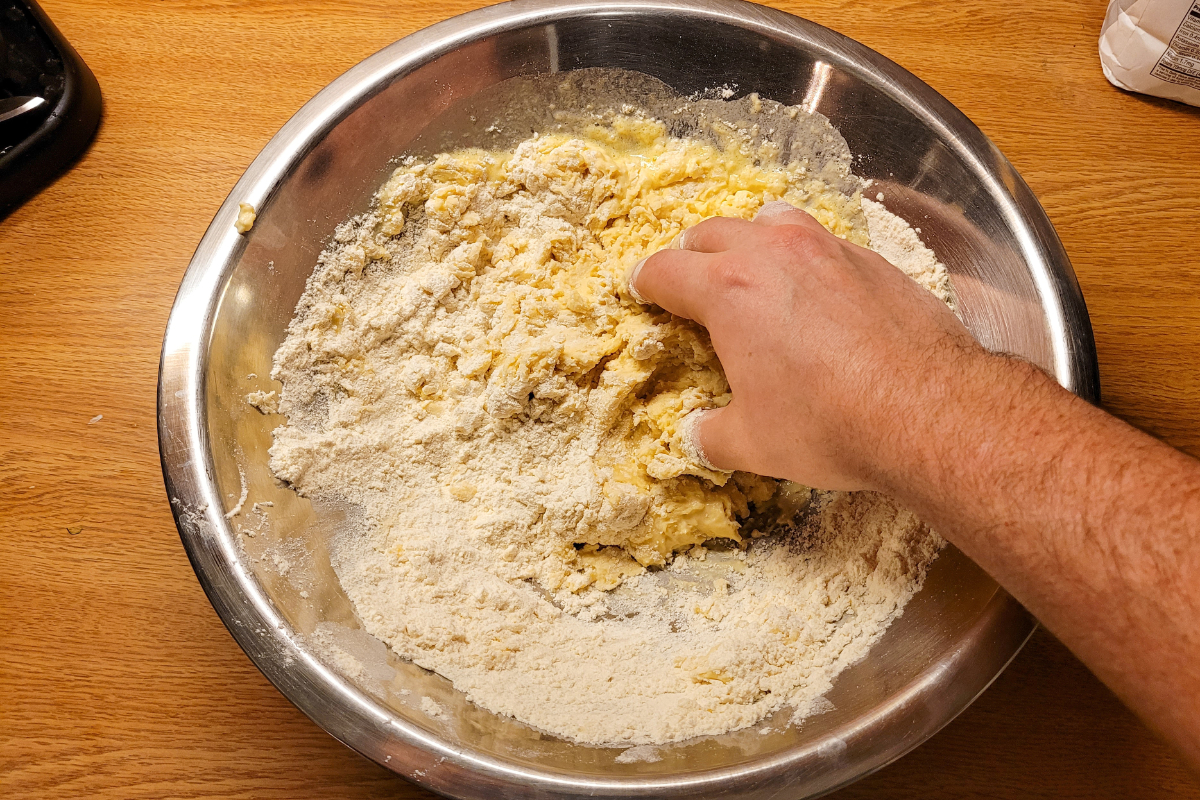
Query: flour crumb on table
(467,366)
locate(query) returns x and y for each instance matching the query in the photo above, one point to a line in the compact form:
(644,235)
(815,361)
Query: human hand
(846,374)
(832,354)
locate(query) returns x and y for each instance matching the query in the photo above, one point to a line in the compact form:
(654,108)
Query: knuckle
(796,239)
(729,275)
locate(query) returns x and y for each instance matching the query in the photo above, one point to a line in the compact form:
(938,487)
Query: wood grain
(117,679)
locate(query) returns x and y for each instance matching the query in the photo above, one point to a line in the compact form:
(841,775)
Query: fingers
(676,278)
(719,234)
(715,235)
(673,280)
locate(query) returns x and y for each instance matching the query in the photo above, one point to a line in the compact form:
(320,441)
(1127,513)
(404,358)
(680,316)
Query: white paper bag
(1153,46)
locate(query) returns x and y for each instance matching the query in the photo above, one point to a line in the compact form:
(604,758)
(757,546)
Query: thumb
(711,438)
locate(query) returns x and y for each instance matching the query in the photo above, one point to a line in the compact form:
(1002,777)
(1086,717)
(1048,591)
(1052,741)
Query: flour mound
(467,366)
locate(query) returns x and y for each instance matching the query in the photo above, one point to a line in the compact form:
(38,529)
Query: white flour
(507,538)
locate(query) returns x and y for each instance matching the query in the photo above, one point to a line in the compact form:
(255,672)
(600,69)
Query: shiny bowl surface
(266,569)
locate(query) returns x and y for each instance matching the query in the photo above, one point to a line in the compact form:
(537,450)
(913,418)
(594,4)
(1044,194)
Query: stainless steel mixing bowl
(266,568)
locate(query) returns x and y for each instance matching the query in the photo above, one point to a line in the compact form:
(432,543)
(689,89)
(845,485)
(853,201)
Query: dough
(566,340)
(468,370)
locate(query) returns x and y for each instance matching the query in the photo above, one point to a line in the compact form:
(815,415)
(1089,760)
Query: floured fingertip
(773,209)
(632,283)
(689,440)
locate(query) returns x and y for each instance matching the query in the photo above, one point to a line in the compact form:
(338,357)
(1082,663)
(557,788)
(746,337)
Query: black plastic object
(36,61)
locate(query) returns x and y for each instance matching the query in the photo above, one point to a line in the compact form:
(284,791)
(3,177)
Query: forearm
(1092,524)
(845,374)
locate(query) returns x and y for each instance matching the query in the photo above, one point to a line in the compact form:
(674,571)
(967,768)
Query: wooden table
(117,679)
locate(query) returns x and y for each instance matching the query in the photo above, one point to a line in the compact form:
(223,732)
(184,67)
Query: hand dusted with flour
(467,366)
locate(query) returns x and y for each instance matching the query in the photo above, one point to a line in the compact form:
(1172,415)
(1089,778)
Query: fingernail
(689,440)
(774,207)
(633,292)
(678,242)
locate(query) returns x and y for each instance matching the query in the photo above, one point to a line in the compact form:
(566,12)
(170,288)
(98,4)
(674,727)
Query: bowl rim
(427,758)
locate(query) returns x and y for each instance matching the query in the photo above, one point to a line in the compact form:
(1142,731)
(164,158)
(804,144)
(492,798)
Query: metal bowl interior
(266,569)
